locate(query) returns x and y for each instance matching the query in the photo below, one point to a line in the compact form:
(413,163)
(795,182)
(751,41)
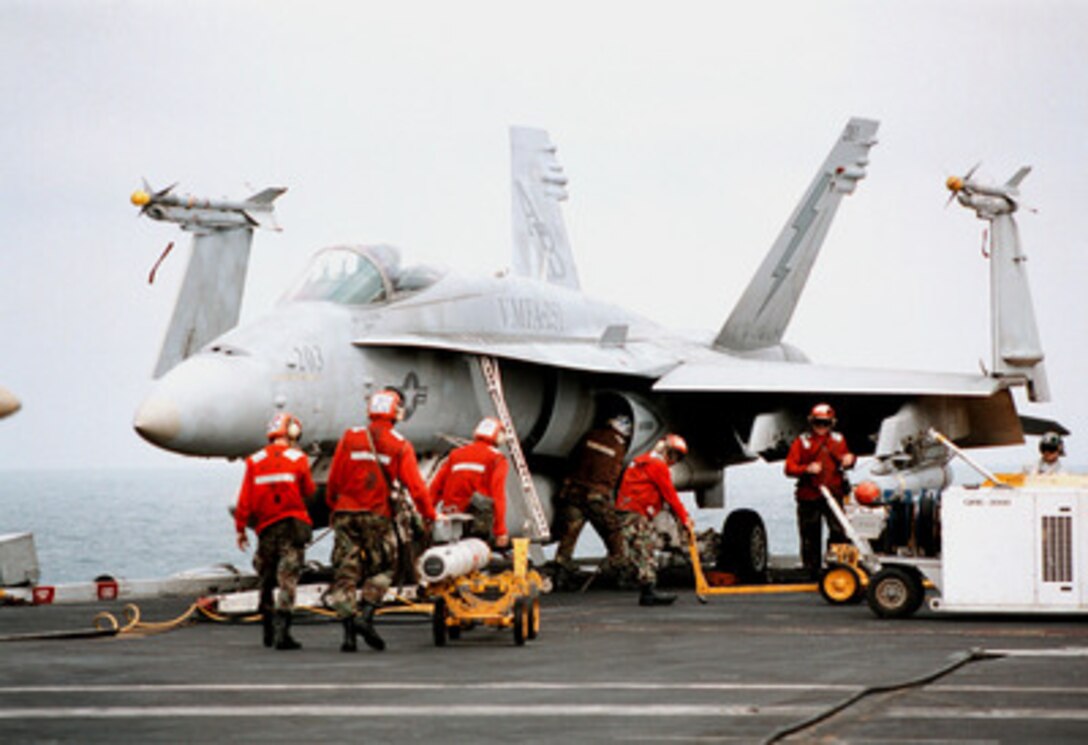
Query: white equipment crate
(1015,550)
(18,560)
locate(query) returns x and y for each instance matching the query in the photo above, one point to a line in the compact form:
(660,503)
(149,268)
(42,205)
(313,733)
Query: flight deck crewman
(369,462)
(472,480)
(1051,450)
(272,501)
(589,490)
(645,490)
(818,458)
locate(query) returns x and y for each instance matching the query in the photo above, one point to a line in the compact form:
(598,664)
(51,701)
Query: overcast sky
(688,130)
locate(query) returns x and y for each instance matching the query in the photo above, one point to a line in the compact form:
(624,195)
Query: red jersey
(357,485)
(647,486)
(275,487)
(474,468)
(829,450)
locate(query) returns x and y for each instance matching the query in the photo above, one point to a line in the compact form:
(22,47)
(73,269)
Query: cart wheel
(895,592)
(454,632)
(534,614)
(438,622)
(840,585)
(521,621)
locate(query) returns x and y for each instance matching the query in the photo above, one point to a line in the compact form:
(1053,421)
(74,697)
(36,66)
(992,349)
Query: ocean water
(140,523)
(131,524)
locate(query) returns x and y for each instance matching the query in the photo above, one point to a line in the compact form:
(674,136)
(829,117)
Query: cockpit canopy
(360,275)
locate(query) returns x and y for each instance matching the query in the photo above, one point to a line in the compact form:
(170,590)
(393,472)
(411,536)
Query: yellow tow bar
(703,588)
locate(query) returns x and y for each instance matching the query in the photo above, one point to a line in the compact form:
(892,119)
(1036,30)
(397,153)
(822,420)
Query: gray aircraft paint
(566,358)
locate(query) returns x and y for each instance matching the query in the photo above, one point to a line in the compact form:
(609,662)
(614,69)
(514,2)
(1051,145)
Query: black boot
(650,597)
(364,627)
(283,632)
(348,645)
(268,628)
(266,606)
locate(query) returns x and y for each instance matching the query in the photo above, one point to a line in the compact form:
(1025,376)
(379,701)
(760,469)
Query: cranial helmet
(1051,442)
(822,413)
(489,430)
(622,424)
(676,444)
(386,404)
(284,425)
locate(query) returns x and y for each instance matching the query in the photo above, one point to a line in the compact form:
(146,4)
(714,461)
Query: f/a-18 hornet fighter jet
(553,360)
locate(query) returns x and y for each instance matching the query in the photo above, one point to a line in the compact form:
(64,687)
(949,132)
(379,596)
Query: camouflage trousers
(577,503)
(640,546)
(364,551)
(280,556)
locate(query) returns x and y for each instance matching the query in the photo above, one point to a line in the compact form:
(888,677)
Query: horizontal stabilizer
(1034,425)
(761,376)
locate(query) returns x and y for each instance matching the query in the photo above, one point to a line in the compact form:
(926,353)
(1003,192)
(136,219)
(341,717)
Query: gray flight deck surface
(737,669)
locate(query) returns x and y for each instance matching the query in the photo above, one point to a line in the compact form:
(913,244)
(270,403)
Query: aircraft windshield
(359,276)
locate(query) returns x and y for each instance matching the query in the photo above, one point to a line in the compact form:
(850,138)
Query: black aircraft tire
(895,592)
(743,548)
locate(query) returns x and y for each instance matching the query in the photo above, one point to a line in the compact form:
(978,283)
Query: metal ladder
(489,368)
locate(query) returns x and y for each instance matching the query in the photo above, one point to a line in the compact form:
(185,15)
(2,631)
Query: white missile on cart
(453,560)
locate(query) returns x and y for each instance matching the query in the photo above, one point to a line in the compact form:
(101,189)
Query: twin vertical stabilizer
(538,185)
(761,316)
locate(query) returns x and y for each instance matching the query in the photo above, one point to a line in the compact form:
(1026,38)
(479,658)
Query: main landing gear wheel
(841,585)
(743,549)
(895,592)
(521,621)
(438,622)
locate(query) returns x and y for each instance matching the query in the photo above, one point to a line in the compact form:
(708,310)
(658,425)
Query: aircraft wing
(758,376)
(718,374)
(641,359)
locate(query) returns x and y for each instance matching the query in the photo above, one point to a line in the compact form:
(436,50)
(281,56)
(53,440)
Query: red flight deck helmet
(489,430)
(386,404)
(284,425)
(822,413)
(676,444)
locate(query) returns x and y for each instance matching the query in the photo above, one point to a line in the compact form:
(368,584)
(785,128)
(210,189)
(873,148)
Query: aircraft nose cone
(9,404)
(210,405)
(157,420)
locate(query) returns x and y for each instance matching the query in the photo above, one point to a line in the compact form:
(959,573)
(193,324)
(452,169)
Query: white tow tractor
(1015,544)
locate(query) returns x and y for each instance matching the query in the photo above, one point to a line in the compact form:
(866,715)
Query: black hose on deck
(974,655)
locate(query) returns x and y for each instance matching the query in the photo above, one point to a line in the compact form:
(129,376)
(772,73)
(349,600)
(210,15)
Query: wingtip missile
(194,212)
(986,199)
